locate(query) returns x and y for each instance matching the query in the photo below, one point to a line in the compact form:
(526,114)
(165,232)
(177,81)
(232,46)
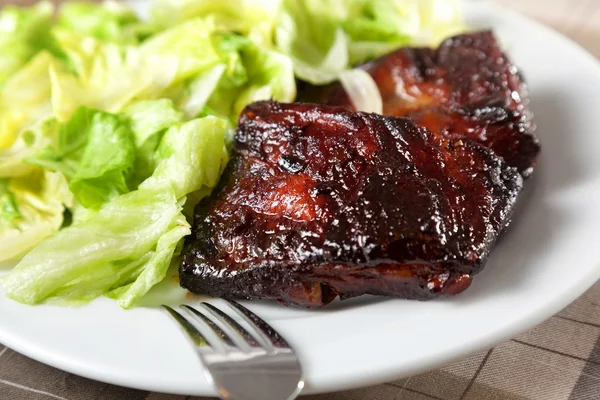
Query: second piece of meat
(466,88)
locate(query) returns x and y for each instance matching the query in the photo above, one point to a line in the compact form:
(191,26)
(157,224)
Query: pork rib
(466,88)
(319,202)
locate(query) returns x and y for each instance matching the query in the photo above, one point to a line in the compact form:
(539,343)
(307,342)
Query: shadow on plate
(535,220)
(559,161)
(532,230)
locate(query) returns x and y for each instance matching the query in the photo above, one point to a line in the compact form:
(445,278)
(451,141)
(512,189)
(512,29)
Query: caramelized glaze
(466,88)
(319,202)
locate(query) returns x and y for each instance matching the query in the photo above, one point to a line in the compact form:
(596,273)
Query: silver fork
(242,364)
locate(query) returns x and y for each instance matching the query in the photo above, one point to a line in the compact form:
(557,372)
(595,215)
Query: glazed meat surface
(319,202)
(466,88)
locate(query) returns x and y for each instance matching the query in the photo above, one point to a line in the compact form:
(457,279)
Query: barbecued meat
(466,88)
(319,201)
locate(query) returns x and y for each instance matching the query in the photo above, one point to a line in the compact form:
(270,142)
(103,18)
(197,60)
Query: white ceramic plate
(548,259)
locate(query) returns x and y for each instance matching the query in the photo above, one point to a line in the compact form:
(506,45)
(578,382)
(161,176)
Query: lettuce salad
(112,127)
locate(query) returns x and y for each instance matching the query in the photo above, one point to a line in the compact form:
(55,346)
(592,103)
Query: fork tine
(265,330)
(225,338)
(190,330)
(232,323)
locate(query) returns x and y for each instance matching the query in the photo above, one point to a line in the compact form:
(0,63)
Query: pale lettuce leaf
(110,21)
(23,33)
(149,120)
(24,100)
(31,210)
(254,19)
(127,246)
(353,31)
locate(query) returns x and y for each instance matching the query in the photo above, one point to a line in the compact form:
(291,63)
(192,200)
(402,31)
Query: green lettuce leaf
(270,76)
(106,77)
(110,22)
(109,77)
(191,156)
(64,143)
(193,98)
(23,32)
(95,151)
(31,209)
(8,204)
(127,246)
(354,31)
(245,72)
(254,19)
(24,100)
(319,55)
(252,73)
(125,229)
(106,162)
(149,120)
(193,63)
(96,148)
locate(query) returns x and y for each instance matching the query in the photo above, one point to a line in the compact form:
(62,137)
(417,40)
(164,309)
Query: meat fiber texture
(319,202)
(466,88)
